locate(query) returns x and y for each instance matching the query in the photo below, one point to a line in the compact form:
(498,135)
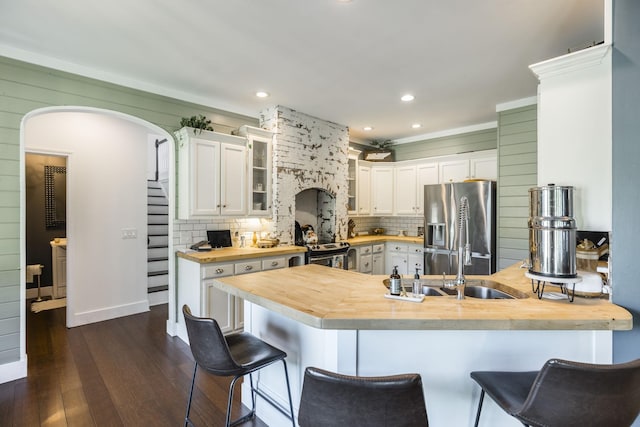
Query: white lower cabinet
(378,258)
(406,257)
(208,301)
(365,263)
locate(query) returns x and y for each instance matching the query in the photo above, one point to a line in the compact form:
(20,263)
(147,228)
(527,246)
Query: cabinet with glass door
(352,182)
(259,146)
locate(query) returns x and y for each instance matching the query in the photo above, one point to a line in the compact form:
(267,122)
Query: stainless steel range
(328,254)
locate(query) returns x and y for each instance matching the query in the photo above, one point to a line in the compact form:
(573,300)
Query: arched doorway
(106,155)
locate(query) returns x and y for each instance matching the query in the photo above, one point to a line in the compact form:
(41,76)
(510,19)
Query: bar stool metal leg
(479,408)
(187,421)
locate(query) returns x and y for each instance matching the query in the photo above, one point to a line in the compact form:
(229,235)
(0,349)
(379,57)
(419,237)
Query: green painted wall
(25,87)
(517,172)
(447,145)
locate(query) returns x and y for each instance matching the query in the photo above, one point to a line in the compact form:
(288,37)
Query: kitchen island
(340,320)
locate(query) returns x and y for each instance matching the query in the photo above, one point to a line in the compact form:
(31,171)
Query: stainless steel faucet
(464,248)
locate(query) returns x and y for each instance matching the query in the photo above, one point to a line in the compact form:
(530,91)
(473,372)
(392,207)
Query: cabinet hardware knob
(219,270)
(274,263)
(248,267)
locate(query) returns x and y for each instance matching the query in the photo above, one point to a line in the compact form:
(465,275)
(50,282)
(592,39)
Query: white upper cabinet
(364,190)
(233,180)
(454,170)
(406,190)
(398,188)
(259,143)
(409,187)
(477,166)
(211,173)
(382,190)
(352,182)
(426,174)
(484,168)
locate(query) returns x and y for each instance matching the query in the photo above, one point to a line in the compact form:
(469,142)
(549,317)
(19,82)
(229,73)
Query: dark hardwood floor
(122,372)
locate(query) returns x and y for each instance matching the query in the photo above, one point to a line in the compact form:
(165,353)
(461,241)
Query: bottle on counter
(395,282)
(417,286)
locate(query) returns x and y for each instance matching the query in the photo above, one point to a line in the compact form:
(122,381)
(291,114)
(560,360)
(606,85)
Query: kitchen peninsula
(340,320)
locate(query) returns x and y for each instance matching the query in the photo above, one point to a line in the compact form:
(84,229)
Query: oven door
(334,260)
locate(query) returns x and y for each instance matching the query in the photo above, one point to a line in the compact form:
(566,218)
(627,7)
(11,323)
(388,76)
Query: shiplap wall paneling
(517,165)
(447,145)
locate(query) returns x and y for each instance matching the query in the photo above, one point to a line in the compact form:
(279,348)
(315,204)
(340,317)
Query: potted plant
(382,151)
(199,123)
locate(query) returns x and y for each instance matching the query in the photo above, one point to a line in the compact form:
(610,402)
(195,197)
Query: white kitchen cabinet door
(364,190)
(212,169)
(426,174)
(382,190)
(366,264)
(396,255)
(454,171)
(259,162)
(205,177)
(219,305)
(378,263)
(352,182)
(415,260)
(233,179)
(405,190)
(484,168)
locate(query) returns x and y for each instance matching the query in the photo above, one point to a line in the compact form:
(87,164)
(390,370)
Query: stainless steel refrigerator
(441,204)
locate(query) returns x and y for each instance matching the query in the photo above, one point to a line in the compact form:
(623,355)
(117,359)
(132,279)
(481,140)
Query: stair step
(156,192)
(157,219)
(158,273)
(158,280)
(159,258)
(157,265)
(158,230)
(158,209)
(157,288)
(158,240)
(157,252)
(157,201)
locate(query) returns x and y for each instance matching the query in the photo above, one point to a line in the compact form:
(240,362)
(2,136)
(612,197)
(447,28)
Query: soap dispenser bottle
(417,286)
(395,282)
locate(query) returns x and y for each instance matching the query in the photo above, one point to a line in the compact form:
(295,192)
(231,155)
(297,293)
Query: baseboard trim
(107,313)
(14,370)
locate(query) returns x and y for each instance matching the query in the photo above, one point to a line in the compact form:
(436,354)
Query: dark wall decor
(55,196)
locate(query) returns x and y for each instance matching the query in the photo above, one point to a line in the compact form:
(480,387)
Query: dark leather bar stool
(329,399)
(565,393)
(233,355)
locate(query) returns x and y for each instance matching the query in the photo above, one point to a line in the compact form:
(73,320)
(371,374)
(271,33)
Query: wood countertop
(382,238)
(235,254)
(328,298)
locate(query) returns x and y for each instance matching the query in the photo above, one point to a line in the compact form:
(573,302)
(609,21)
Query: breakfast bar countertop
(329,298)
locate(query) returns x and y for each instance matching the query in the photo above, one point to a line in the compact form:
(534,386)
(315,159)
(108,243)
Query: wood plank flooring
(122,372)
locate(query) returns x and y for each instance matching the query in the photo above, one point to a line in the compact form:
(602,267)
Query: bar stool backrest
(571,393)
(208,346)
(330,399)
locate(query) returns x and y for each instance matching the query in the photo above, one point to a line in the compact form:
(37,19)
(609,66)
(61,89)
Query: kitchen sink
(474,288)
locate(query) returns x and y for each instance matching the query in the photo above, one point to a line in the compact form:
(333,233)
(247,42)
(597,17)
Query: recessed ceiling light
(416,125)
(408,97)
(262,94)
(367,128)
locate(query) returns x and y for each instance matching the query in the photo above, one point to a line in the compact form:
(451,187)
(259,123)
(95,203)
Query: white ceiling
(344,62)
